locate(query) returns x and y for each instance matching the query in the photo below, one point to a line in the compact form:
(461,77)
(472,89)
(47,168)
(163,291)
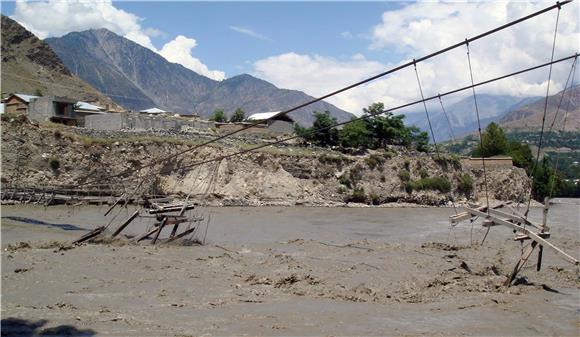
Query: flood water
(251,225)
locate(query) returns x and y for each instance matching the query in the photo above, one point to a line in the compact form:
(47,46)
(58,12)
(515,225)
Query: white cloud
(249,32)
(347,35)
(179,51)
(421,28)
(72,16)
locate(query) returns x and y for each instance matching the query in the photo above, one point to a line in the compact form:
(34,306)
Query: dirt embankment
(49,154)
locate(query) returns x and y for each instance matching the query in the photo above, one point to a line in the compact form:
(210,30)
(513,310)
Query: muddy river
(285,271)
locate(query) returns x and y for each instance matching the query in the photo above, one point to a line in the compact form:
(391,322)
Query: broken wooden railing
(165,215)
(524,230)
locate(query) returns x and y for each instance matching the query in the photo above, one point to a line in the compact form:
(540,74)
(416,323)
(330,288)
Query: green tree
(493,142)
(321,133)
(521,155)
(218,116)
(238,116)
(356,134)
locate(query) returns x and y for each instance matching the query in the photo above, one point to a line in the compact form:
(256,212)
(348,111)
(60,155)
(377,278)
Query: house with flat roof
(283,124)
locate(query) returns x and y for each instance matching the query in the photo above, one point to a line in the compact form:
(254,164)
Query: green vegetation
(376,131)
(38,92)
(404,175)
(238,116)
(218,116)
(54,163)
(440,184)
(569,139)
(358,195)
(465,184)
(375,161)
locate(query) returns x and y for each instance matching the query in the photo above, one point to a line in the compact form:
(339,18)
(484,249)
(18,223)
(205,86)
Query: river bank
(286,271)
(55,155)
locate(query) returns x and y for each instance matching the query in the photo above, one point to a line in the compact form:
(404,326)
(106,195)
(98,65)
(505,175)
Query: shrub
(57,134)
(54,163)
(374,161)
(356,174)
(345,181)
(383,179)
(341,190)
(375,199)
(407,164)
(358,195)
(465,184)
(423,173)
(440,184)
(444,161)
(404,175)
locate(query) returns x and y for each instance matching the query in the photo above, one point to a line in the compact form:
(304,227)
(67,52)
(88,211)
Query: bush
(356,174)
(407,164)
(345,181)
(375,199)
(444,161)
(465,184)
(440,184)
(423,173)
(341,190)
(404,175)
(358,195)
(375,161)
(54,163)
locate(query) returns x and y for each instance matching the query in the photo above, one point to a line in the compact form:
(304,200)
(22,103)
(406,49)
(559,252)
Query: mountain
(253,95)
(528,117)
(30,66)
(139,78)
(462,115)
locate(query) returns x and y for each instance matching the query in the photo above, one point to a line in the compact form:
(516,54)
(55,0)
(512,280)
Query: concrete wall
(133,121)
(41,109)
(281,127)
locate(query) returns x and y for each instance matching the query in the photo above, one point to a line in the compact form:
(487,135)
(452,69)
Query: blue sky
(318,47)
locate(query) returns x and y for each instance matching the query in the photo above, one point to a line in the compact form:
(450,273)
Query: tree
(218,116)
(238,116)
(321,133)
(356,134)
(521,155)
(493,142)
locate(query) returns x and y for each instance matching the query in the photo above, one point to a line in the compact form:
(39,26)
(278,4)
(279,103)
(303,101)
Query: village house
(279,124)
(154,111)
(17,103)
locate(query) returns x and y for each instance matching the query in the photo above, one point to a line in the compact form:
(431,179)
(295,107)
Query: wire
(479,131)
(544,115)
(448,121)
(426,111)
(390,71)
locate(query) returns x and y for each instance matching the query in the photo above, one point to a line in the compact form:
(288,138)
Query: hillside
(528,117)
(139,78)
(462,114)
(29,65)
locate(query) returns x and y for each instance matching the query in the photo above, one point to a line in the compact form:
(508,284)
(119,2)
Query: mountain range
(139,78)
(30,66)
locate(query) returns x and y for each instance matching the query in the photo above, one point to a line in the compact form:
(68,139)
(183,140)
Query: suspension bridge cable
(390,71)
(479,131)
(570,75)
(447,118)
(553,184)
(544,114)
(379,113)
(426,111)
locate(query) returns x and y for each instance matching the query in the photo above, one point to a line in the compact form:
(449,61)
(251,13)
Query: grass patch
(465,184)
(358,196)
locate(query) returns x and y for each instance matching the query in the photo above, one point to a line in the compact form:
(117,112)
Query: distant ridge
(139,78)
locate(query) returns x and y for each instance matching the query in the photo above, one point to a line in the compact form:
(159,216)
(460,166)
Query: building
(18,103)
(62,110)
(274,124)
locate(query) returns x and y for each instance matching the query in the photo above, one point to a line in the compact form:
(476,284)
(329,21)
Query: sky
(318,47)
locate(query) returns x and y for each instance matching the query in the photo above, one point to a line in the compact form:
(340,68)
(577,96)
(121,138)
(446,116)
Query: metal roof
(25,98)
(88,107)
(153,111)
(263,116)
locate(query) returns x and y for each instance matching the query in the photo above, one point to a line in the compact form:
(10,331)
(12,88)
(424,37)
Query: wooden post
(125,224)
(114,204)
(89,235)
(161,225)
(189,231)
